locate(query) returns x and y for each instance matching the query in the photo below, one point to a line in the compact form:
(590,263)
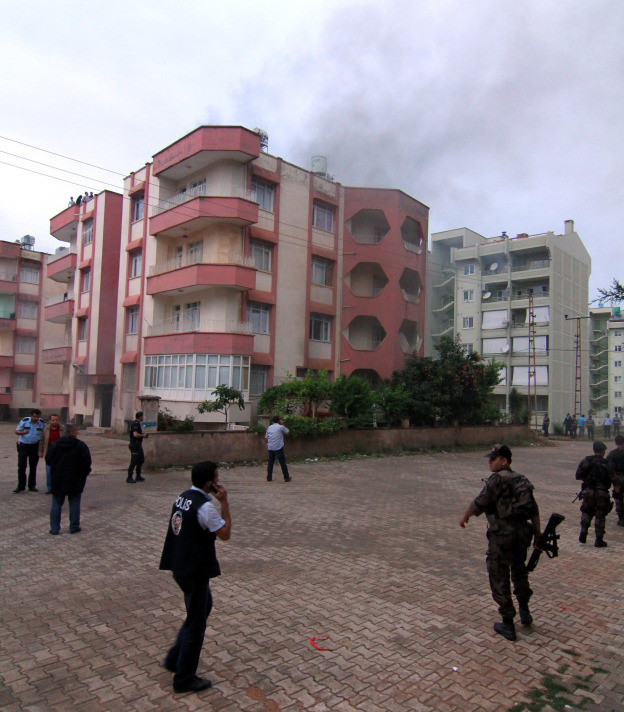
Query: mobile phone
(213,488)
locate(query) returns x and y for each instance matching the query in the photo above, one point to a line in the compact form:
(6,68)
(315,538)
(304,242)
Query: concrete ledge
(165,449)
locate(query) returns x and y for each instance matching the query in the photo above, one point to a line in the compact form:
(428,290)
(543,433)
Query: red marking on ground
(316,646)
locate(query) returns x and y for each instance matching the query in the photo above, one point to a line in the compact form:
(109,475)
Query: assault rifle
(547,541)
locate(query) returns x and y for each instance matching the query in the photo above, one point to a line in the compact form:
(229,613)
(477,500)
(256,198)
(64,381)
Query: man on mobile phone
(189,552)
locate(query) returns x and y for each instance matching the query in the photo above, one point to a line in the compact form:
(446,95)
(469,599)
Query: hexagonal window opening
(365,333)
(411,285)
(368,227)
(368,374)
(409,337)
(366,279)
(412,235)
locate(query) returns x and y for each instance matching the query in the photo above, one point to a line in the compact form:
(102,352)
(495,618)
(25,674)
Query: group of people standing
(575,427)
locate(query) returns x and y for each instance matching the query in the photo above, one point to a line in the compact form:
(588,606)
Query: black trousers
(137,458)
(279,454)
(183,657)
(27,455)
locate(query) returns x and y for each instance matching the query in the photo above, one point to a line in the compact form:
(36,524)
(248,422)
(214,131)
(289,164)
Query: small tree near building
(225,398)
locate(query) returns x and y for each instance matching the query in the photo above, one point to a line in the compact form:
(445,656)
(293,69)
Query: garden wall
(165,449)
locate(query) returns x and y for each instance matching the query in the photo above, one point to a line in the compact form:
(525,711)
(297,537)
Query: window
(136,263)
(23,381)
(195,252)
(469,269)
(258,379)
(377,336)
(132,320)
(261,255)
(497,319)
(323,216)
(191,316)
(128,377)
(25,344)
(468,322)
(262,193)
(138,207)
(617,332)
(258,315)
(195,376)
(322,271)
(617,364)
(617,348)
(27,310)
(466,349)
(495,346)
(82,329)
(617,379)
(320,327)
(29,275)
(617,394)
(87,232)
(86,280)
(469,295)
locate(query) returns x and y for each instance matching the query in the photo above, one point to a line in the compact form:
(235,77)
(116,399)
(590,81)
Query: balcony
(446,327)
(179,335)
(6,361)
(59,353)
(59,309)
(7,320)
(177,276)
(447,301)
(55,401)
(62,266)
(5,395)
(64,225)
(8,283)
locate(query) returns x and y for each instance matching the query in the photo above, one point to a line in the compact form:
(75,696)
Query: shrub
(167,421)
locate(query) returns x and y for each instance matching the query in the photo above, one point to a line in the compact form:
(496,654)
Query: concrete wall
(167,449)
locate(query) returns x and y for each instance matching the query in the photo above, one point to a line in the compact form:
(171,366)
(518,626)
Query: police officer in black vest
(137,456)
(189,552)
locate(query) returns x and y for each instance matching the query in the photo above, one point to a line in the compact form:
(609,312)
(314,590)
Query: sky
(500,115)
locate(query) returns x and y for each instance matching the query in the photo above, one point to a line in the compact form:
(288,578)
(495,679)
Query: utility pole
(578,393)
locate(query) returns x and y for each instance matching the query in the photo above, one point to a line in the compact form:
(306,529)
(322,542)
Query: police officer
(137,456)
(509,534)
(616,459)
(596,475)
(189,552)
(30,430)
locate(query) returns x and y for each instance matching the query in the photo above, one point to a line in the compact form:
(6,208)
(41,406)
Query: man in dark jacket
(70,464)
(189,552)
(616,459)
(597,476)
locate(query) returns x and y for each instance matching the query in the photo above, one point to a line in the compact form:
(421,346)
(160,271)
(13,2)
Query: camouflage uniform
(596,475)
(509,538)
(616,459)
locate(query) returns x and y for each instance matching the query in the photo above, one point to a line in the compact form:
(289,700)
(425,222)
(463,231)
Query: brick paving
(364,555)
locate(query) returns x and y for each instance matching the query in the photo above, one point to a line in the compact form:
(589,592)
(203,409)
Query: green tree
(613,295)
(294,393)
(225,398)
(394,401)
(353,400)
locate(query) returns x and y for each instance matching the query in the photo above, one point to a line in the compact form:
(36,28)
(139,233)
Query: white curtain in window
(502,381)
(495,346)
(521,344)
(520,376)
(541,315)
(494,319)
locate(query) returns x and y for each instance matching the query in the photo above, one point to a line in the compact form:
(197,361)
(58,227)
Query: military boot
(525,614)
(583,536)
(506,628)
(600,543)
(620,522)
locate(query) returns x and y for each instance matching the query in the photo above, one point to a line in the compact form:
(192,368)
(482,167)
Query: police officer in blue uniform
(30,430)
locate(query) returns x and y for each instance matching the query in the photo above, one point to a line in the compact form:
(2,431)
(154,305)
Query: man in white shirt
(275,443)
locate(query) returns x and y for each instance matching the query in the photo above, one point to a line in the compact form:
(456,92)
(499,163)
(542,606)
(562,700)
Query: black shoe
(54,533)
(583,537)
(139,479)
(287,479)
(196,685)
(600,543)
(129,480)
(75,531)
(620,522)
(506,629)
(33,489)
(49,492)
(525,615)
(269,479)
(17,490)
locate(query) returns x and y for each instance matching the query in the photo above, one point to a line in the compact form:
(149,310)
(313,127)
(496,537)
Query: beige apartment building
(478,288)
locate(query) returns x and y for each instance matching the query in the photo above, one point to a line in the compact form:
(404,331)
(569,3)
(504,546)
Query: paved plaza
(364,557)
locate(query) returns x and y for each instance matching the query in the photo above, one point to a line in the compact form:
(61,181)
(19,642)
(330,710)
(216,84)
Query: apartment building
(606,347)
(26,377)
(240,268)
(86,269)
(479,288)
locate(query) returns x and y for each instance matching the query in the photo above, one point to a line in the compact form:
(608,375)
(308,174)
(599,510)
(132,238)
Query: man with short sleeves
(30,430)
(275,443)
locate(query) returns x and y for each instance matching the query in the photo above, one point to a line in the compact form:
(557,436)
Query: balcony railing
(200,191)
(446,326)
(413,246)
(534,264)
(8,277)
(190,260)
(178,325)
(7,314)
(58,254)
(57,299)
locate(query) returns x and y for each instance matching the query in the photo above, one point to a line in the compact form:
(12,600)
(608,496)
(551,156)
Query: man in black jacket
(597,476)
(189,552)
(70,464)
(616,459)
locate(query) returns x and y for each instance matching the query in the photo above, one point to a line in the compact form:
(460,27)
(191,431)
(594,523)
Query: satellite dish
(505,349)
(493,266)
(487,295)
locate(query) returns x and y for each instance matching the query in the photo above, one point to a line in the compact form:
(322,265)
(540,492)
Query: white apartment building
(606,351)
(479,288)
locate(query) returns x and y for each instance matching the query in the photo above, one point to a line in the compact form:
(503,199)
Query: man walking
(596,475)
(275,443)
(616,460)
(606,426)
(50,435)
(70,464)
(513,521)
(30,430)
(189,552)
(137,456)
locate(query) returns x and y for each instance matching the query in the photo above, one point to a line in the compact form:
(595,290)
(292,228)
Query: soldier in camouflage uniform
(616,459)
(513,521)
(597,476)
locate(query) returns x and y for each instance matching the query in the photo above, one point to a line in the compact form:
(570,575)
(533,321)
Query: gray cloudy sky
(498,114)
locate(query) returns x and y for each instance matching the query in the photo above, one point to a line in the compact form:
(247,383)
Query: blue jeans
(279,454)
(48,478)
(183,657)
(74,512)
